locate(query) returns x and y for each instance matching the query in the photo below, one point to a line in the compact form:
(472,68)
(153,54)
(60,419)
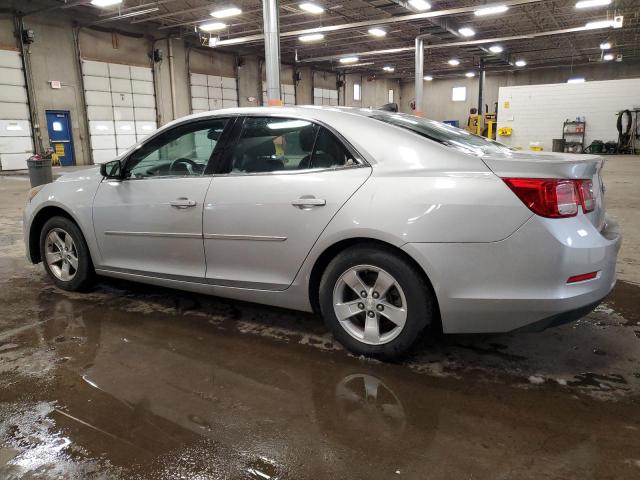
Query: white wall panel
(141,73)
(536,112)
(10,59)
(214,80)
(145,128)
(100,113)
(124,127)
(14,161)
(229,94)
(103,142)
(15,128)
(100,84)
(101,127)
(98,98)
(215,103)
(15,111)
(123,113)
(198,79)
(228,82)
(122,99)
(12,93)
(146,114)
(140,86)
(11,76)
(198,91)
(97,69)
(102,156)
(121,85)
(215,92)
(125,141)
(15,144)
(229,103)
(147,101)
(199,104)
(117,70)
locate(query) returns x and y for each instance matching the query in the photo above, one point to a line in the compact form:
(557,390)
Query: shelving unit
(573,136)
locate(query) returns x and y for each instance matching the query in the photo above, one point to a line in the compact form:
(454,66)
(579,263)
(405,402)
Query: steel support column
(481,81)
(419,76)
(272,50)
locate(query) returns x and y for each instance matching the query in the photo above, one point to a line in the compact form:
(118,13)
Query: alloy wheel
(61,254)
(370,304)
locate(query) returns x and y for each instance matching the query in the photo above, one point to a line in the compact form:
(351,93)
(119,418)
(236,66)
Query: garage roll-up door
(211,92)
(16,145)
(288,94)
(121,106)
(325,96)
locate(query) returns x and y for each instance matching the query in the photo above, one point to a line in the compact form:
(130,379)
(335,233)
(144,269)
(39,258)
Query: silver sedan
(384,223)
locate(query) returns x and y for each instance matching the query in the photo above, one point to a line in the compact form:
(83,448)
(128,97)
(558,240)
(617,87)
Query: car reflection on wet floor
(132,384)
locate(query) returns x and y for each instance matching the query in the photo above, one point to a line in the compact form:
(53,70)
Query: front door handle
(182,202)
(306,203)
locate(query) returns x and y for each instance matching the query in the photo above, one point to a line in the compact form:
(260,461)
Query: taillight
(553,197)
(586,195)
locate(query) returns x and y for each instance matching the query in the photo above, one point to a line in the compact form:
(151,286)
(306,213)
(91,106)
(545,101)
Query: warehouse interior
(131,381)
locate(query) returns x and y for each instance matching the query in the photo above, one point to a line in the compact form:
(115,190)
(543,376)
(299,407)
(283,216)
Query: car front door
(151,221)
(281,181)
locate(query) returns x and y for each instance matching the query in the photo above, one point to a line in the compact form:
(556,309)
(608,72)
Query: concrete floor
(131,381)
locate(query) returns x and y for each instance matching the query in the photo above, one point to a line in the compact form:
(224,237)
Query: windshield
(445,134)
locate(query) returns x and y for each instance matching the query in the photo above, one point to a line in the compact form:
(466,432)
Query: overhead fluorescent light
(496,49)
(608,57)
(576,80)
(428,78)
(105,3)
(466,32)
(605,45)
(389,68)
(592,3)
(212,27)
(132,14)
(420,5)
(599,24)
(491,10)
(362,64)
(470,74)
(454,62)
(377,32)
(349,60)
(226,12)
(311,8)
(312,37)
(520,63)
(213,41)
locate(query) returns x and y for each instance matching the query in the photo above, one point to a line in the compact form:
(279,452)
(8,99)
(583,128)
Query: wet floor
(130,381)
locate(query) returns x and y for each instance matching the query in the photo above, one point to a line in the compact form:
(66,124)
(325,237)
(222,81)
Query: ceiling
(181,18)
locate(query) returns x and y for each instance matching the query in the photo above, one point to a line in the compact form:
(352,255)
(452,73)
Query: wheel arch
(330,252)
(38,222)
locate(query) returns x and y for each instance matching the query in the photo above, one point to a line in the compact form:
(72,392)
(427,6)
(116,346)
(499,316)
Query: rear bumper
(521,281)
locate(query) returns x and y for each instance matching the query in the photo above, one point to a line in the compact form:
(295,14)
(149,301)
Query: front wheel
(65,254)
(375,302)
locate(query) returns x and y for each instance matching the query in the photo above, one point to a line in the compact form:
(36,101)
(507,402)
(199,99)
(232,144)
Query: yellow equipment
(474,122)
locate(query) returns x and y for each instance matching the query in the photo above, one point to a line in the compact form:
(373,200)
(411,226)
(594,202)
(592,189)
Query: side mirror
(112,169)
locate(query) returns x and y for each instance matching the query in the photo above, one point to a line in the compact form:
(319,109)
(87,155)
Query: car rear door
(151,221)
(281,182)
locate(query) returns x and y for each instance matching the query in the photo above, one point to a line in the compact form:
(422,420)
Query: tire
(61,240)
(409,292)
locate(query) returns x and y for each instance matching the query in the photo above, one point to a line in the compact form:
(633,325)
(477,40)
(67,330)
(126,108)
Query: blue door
(60,137)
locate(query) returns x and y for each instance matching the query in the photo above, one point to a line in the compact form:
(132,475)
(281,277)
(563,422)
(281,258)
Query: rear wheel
(375,302)
(65,254)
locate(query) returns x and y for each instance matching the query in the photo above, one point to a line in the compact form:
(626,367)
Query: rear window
(445,134)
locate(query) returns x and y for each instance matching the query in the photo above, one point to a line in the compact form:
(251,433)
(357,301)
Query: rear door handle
(182,202)
(308,202)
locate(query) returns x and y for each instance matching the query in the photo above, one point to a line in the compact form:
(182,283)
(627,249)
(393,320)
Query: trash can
(39,170)
(557,145)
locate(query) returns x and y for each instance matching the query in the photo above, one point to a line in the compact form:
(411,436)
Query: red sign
(56,84)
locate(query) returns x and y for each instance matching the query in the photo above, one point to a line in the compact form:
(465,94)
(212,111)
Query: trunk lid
(553,165)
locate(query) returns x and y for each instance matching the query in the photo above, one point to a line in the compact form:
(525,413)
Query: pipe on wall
(419,75)
(172,80)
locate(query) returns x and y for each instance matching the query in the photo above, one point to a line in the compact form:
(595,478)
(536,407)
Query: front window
(184,150)
(443,133)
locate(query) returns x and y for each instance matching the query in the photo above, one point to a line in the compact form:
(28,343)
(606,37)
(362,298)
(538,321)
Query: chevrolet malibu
(384,223)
